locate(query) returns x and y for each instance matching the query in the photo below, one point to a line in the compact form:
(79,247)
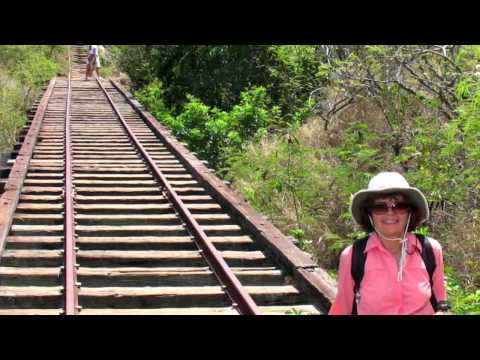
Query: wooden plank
(294,309)
(212,228)
(133,207)
(243,255)
(115,182)
(49,182)
(24,197)
(152,254)
(37,228)
(136,207)
(138,271)
(161,239)
(25,271)
(244,239)
(118,168)
(45,169)
(22,312)
(39,162)
(107,161)
(39,206)
(177,291)
(30,291)
(42,189)
(284,290)
(115,157)
(97,149)
(126,182)
(120,198)
(164,271)
(38,156)
(36,239)
(126,217)
(107,217)
(170,276)
(129,228)
(112,176)
(99,142)
(38,254)
(120,190)
(44,175)
(95,153)
(20,218)
(83,229)
(139,255)
(134,240)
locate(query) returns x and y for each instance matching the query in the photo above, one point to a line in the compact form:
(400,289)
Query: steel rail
(232,286)
(70,270)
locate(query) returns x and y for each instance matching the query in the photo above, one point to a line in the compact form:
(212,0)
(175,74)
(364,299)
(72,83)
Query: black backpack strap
(429,259)
(358,268)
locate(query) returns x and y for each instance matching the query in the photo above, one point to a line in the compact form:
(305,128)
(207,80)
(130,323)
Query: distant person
(93,62)
(392,271)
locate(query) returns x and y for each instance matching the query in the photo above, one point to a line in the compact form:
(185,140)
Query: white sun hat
(387,183)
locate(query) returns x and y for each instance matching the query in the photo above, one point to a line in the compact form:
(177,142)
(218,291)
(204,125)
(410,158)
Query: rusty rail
(241,299)
(70,271)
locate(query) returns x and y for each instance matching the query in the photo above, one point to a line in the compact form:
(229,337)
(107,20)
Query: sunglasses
(382,208)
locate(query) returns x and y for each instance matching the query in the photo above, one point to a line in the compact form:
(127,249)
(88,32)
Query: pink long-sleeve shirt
(381,293)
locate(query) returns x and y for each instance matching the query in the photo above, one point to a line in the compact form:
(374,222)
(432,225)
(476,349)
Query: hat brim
(414,195)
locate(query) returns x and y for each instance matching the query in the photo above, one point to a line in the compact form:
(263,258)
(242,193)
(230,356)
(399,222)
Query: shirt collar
(374,242)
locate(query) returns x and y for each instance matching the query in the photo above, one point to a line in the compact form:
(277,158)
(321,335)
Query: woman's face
(390,215)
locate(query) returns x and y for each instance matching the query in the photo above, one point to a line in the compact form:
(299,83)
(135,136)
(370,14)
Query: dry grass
(459,234)
(457,230)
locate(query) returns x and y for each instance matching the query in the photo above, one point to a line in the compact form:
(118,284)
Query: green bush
(462,301)
(24,69)
(11,110)
(217,75)
(213,134)
(287,181)
(412,109)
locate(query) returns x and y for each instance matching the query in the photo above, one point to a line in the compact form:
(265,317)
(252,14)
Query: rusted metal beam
(13,187)
(240,297)
(70,271)
(307,274)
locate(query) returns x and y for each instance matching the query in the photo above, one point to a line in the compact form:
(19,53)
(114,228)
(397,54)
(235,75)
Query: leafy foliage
(210,132)
(462,301)
(23,70)
(299,129)
(217,75)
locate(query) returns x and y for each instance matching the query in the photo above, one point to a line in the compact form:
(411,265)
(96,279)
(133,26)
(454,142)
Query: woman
(395,276)
(93,62)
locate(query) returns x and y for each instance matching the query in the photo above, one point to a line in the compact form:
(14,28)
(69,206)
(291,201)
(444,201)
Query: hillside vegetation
(24,69)
(299,129)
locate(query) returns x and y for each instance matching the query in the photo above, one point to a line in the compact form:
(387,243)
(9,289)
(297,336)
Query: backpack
(358,266)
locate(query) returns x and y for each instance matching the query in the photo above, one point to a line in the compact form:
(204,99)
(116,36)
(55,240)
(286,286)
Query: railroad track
(105,213)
